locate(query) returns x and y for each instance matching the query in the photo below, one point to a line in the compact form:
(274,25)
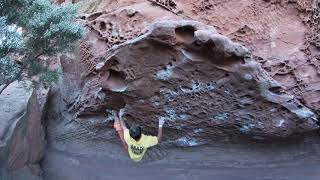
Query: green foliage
(8,70)
(50,27)
(10,39)
(49,78)
(46,76)
(35,68)
(13,9)
(30,29)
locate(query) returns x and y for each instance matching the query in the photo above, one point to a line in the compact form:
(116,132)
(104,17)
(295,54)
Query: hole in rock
(210,51)
(208,7)
(172,4)
(116,81)
(277,90)
(116,102)
(197,43)
(300,106)
(103,26)
(202,114)
(185,33)
(94,16)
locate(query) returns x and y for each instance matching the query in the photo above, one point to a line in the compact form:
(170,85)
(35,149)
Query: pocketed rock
(22,135)
(282,35)
(194,78)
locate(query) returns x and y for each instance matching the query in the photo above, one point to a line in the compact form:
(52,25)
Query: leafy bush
(31,30)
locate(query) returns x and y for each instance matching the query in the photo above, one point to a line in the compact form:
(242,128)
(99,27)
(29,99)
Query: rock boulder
(203,84)
(22,134)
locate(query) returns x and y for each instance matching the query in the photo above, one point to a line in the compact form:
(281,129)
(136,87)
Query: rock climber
(132,139)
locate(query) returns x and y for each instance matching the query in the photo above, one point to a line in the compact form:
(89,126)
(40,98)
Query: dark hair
(135,132)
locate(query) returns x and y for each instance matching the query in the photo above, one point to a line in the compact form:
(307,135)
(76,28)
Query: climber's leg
(119,129)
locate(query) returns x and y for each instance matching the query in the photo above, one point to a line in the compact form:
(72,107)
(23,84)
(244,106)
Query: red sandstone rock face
(199,81)
(282,34)
(22,134)
(194,79)
(278,33)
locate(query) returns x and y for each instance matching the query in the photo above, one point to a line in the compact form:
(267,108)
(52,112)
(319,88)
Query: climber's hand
(114,113)
(122,112)
(161,122)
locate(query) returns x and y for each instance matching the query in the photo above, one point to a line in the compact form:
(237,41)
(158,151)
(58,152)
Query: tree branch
(4,87)
(24,65)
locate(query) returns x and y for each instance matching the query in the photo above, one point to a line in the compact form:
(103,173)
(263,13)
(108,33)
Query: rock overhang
(187,73)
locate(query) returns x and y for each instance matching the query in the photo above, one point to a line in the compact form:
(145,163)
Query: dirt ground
(292,160)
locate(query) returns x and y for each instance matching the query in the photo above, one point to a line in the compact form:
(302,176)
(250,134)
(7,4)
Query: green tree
(31,30)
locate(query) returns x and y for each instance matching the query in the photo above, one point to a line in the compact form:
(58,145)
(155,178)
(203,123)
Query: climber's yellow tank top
(138,149)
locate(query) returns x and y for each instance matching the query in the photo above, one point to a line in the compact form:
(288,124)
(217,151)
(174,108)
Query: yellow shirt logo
(136,149)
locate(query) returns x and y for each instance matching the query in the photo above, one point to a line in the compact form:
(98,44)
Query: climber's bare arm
(123,124)
(120,131)
(159,134)
(115,115)
(161,122)
(118,118)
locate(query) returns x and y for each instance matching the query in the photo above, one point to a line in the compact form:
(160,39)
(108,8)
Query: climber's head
(135,132)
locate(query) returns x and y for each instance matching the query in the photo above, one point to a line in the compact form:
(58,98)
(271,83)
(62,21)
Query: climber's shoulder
(149,140)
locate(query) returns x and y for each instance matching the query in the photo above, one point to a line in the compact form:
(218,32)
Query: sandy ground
(294,160)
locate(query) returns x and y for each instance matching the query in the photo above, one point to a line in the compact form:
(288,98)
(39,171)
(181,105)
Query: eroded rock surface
(203,84)
(22,134)
(281,34)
